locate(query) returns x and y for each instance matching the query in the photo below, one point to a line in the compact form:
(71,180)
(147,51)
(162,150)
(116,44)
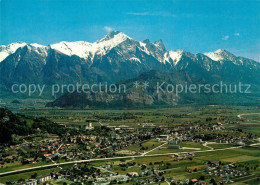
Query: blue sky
(192,25)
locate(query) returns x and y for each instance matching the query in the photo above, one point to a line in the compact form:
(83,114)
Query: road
(143,154)
(206,145)
(240,115)
(104,159)
(59,147)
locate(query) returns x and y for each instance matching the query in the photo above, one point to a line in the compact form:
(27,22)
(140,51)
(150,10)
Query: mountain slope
(159,92)
(133,96)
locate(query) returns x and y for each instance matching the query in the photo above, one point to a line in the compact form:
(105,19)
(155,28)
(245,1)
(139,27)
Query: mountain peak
(218,55)
(222,51)
(146,41)
(113,34)
(222,55)
(160,44)
(219,51)
(159,41)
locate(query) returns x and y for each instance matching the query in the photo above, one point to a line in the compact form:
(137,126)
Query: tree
(202,178)
(212,181)
(21,180)
(33,176)
(163,178)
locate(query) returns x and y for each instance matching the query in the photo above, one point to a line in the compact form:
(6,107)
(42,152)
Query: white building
(44,178)
(31,182)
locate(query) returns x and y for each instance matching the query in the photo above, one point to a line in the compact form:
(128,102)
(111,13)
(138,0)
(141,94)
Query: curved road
(240,115)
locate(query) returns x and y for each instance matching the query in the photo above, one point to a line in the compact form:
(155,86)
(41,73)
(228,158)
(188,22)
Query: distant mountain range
(113,58)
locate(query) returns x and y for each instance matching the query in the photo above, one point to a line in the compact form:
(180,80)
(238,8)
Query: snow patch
(79,48)
(217,56)
(175,56)
(144,48)
(135,59)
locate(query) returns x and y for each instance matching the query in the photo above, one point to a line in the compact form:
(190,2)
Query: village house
(31,182)
(44,178)
(173,146)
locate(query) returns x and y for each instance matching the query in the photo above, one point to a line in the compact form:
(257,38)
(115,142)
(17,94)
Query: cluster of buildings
(226,171)
(44,179)
(183,155)
(185,182)
(232,140)
(94,145)
(190,133)
(111,177)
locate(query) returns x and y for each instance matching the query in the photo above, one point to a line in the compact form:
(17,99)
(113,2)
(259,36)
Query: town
(212,150)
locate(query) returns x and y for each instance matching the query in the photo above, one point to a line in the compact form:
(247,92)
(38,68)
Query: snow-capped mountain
(85,49)
(114,57)
(104,45)
(5,51)
(222,55)
(101,47)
